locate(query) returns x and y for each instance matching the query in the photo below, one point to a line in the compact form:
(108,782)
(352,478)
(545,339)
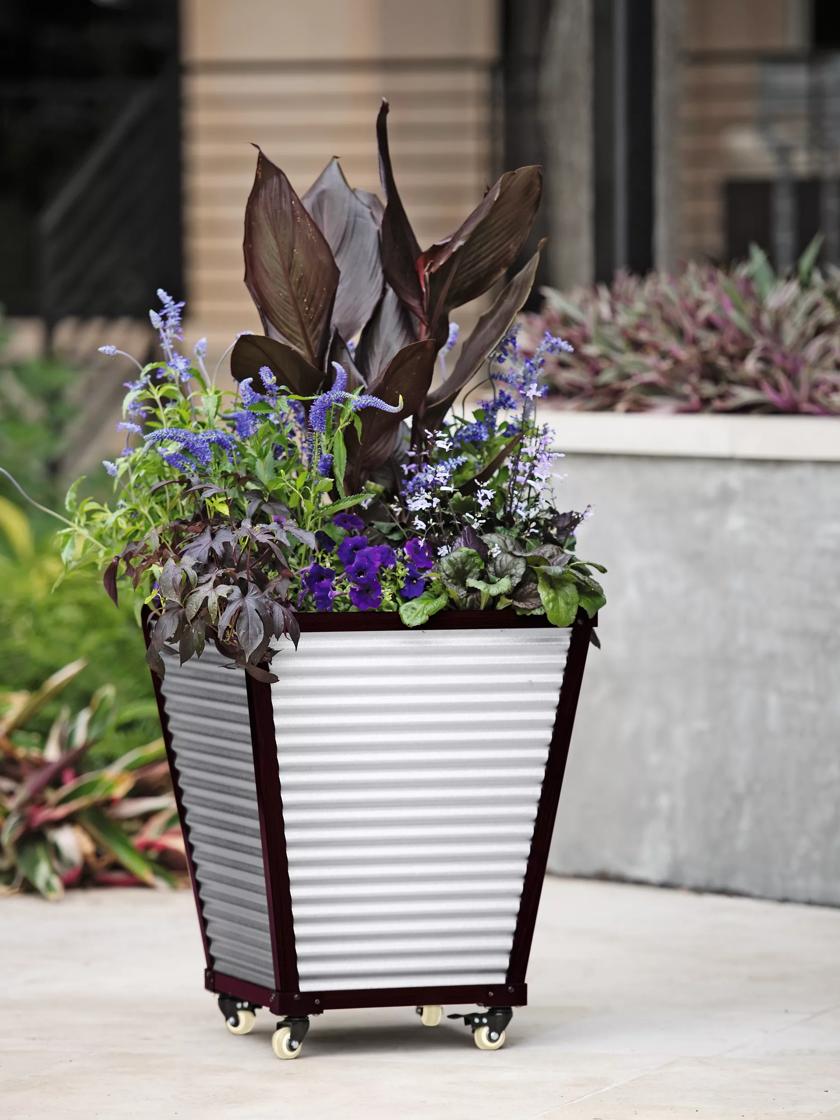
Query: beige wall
(245,82)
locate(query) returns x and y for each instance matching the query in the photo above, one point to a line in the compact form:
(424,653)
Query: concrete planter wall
(373,828)
(707,748)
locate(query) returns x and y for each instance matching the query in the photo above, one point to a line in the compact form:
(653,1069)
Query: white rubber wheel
(431,1015)
(245,1024)
(482,1039)
(282,1045)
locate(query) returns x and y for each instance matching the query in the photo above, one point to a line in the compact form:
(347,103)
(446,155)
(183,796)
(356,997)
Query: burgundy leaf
(486,336)
(109,579)
(408,376)
(387,332)
(400,251)
(252,351)
(468,263)
(289,268)
(352,233)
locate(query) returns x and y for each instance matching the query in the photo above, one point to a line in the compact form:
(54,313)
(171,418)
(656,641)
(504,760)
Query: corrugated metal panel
(207,708)
(411,765)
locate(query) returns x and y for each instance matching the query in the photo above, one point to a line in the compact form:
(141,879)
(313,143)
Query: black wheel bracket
(230,1007)
(496,1019)
(298,1028)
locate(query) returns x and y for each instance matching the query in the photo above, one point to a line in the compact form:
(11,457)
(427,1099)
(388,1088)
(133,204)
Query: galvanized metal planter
(372,830)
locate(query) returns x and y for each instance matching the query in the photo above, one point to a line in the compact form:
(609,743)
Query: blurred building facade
(669,129)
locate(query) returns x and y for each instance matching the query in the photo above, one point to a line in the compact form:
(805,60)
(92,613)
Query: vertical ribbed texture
(411,764)
(207,709)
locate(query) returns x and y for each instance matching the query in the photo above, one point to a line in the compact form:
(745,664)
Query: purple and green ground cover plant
(707,339)
(337,475)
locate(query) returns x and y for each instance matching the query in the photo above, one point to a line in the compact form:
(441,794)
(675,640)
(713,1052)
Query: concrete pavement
(644,1003)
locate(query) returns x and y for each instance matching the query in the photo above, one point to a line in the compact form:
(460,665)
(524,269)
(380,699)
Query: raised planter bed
(373,828)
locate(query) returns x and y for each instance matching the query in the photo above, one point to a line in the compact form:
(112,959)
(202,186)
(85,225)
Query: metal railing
(113,232)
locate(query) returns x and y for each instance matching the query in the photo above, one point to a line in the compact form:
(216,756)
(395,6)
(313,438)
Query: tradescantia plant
(708,339)
(337,476)
(62,825)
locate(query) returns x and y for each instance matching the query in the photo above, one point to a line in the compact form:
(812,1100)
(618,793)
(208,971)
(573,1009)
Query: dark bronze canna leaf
(387,332)
(252,351)
(468,263)
(289,268)
(352,232)
(408,376)
(400,251)
(486,336)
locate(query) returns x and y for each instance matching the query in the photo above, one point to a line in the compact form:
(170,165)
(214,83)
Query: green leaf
(339,462)
(558,594)
(34,861)
(111,837)
(417,612)
(458,567)
(805,265)
(592,602)
(500,587)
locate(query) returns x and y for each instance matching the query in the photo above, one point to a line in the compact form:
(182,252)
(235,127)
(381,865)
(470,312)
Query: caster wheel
(483,1038)
(430,1015)
(241,1022)
(284,1045)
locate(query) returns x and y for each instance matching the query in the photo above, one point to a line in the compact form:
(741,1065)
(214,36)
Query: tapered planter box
(373,828)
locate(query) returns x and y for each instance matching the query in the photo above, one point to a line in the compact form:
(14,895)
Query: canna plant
(337,477)
(62,825)
(337,264)
(708,339)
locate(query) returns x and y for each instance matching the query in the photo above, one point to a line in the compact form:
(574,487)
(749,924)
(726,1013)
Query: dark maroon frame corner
(286,998)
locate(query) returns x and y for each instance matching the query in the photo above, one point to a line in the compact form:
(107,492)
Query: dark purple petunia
(319,581)
(413,587)
(366,595)
(349,547)
(419,555)
(349,522)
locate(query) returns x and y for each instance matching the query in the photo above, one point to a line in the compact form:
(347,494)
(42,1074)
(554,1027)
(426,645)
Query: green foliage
(63,825)
(34,413)
(42,626)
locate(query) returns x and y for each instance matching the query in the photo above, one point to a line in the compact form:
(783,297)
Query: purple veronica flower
(197,444)
(128,426)
(248,393)
(413,587)
(246,423)
(110,467)
(321,406)
(349,547)
(419,555)
(325,464)
(350,522)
